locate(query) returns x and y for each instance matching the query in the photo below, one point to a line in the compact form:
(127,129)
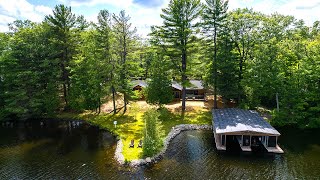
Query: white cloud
(4,28)
(116,3)
(306,10)
(141,17)
(43,9)
(21,9)
(6,19)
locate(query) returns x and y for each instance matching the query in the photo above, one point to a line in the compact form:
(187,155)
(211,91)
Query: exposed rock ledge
(151,160)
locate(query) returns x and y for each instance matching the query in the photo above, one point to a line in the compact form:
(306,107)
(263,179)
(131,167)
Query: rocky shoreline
(151,160)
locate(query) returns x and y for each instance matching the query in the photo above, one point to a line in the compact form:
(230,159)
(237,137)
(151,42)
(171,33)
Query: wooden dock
(219,146)
(243,148)
(276,149)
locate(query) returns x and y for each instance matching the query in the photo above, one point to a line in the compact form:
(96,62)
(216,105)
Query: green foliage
(214,25)
(177,35)
(125,38)
(29,87)
(159,90)
(88,74)
(64,27)
(137,95)
(243,55)
(152,133)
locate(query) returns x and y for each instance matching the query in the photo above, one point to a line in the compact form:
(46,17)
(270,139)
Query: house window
(177,94)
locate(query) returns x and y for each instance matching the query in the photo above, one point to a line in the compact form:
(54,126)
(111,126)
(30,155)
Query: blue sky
(145,13)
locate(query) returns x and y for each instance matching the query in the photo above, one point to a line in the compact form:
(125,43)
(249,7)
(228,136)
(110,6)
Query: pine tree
(159,90)
(104,38)
(124,36)
(64,24)
(214,17)
(178,32)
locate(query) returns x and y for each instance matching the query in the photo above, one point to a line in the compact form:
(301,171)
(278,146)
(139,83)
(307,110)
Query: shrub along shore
(156,157)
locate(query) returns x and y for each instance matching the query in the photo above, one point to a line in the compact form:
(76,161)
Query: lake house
(245,128)
(194,90)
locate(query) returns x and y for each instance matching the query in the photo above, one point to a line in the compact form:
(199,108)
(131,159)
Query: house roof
(176,85)
(194,84)
(238,120)
(141,83)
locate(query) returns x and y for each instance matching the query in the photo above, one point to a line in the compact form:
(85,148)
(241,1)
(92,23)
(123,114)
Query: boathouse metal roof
(233,120)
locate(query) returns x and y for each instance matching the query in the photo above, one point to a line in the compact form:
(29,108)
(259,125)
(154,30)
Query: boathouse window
(223,140)
(272,141)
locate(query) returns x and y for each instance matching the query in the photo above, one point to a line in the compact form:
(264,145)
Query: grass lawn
(131,124)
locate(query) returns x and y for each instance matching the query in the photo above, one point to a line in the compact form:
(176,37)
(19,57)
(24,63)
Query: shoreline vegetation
(130,125)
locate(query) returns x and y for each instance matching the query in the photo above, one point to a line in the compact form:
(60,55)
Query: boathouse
(245,127)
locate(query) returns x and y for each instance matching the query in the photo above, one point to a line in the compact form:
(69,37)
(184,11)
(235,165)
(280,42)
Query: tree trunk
(65,93)
(124,85)
(66,83)
(99,108)
(215,104)
(114,99)
(240,78)
(184,79)
(125,102)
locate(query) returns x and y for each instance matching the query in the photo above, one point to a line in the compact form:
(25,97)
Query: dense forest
(68,64)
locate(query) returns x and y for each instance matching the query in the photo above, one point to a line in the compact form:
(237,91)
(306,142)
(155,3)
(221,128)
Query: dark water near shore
(66,150)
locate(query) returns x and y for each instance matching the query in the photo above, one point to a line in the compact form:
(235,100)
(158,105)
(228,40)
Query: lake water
(72,150)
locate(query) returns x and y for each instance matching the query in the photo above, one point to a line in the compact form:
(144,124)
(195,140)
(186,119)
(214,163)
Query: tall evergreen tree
(243,24)
(104,38)
(124,36)
(159,90)
(177,32)
(63,23)
(88,74)
(214,16)
(28,73)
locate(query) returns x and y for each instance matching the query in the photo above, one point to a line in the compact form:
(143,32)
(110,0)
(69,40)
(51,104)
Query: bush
(165,114)
(152,133)
(137,95)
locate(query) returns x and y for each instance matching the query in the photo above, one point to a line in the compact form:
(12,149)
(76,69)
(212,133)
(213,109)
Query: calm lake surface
(74,150)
